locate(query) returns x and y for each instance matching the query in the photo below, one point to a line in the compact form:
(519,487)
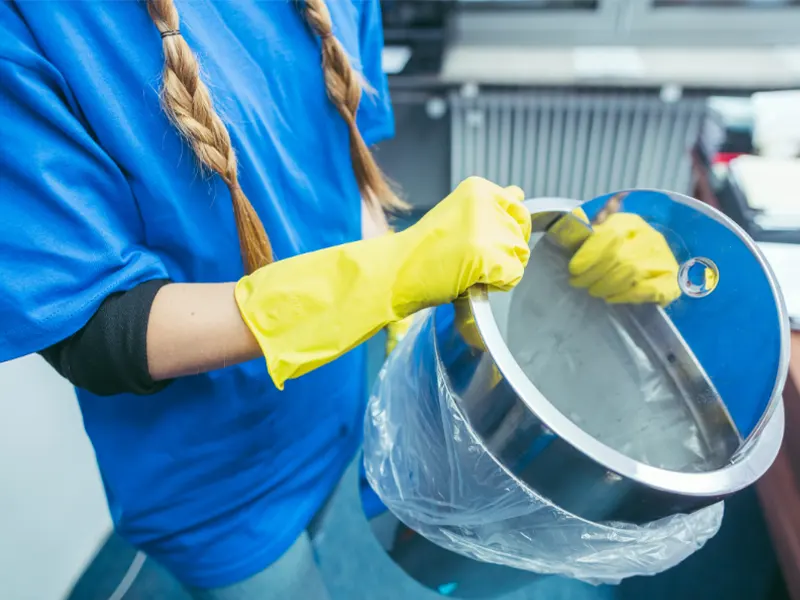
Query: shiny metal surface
(653,331)
(542,447)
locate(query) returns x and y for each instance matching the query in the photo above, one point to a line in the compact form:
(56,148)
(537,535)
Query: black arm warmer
(109,354)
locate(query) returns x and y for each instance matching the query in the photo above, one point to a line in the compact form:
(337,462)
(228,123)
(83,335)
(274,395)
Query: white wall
(53,515)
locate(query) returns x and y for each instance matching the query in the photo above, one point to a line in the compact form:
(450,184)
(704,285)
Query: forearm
(140,339)
(195,328)
(302,312)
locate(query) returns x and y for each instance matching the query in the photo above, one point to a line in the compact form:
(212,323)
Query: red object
(723,158)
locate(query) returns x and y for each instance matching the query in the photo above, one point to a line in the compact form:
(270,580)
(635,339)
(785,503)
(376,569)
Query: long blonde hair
(188,104)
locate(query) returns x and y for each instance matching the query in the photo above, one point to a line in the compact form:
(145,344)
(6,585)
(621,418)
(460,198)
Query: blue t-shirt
(217,475)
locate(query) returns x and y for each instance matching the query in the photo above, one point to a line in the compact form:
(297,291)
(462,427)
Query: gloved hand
(308,310)
(397,331)
(625,260)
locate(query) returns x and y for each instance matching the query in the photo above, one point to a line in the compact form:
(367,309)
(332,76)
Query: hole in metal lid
(698,277)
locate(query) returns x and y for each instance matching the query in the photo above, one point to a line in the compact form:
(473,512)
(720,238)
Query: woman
(154,287)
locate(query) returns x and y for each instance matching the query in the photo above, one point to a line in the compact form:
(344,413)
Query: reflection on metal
(574,144)
(656,335)
(569,231)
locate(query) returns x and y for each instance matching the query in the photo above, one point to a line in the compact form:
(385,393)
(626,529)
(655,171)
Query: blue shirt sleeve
(375,116)
(70,231)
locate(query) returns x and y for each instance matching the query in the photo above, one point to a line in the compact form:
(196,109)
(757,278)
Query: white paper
(785,262)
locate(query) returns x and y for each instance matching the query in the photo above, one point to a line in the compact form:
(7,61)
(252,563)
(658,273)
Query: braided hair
(187,102)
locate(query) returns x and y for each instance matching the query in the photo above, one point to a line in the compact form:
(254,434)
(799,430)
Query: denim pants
(294,576)
(339,527)
(338,557)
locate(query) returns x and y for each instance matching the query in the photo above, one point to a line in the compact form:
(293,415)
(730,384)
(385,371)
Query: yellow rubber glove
(308,310)
(397,331)
(625,260)
(571,230)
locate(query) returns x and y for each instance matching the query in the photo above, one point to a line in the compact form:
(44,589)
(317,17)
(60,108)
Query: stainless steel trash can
(546,430)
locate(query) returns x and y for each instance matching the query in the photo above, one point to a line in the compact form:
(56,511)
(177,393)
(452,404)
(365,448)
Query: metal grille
(575,145)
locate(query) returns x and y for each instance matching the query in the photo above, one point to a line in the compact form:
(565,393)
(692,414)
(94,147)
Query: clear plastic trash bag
(432,471)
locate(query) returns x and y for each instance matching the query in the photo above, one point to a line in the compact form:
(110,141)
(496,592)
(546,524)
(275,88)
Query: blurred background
(562,97)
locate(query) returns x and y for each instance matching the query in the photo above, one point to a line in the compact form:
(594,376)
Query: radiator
(577,145)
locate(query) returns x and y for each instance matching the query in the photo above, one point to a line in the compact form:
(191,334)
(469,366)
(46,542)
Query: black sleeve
(109,354)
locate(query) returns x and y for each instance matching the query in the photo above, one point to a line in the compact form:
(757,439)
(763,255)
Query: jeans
(338,557)
(294,576)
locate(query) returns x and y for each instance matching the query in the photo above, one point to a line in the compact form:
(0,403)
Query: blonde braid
(188,104)
(343,85)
